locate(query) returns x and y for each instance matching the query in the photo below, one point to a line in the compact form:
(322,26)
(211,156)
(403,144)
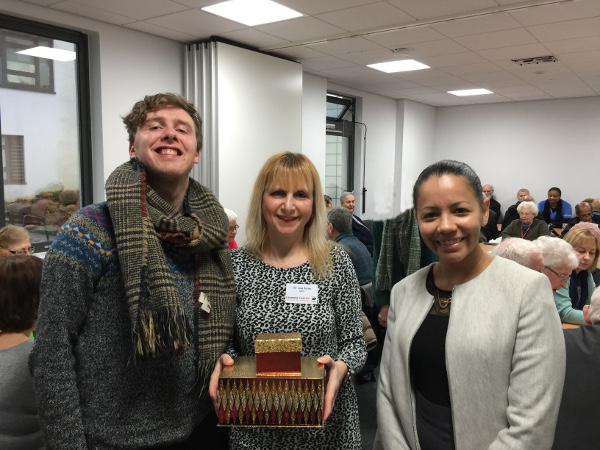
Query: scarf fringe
(163,333)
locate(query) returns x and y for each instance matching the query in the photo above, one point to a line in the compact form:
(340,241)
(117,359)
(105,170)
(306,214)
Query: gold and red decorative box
(277,388)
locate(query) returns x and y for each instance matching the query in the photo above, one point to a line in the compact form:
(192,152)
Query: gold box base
(279,400)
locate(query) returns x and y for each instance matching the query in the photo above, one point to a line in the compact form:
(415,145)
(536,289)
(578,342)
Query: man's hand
(213,385)
(382,316)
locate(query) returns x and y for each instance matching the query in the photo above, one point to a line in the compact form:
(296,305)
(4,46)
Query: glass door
(44,124)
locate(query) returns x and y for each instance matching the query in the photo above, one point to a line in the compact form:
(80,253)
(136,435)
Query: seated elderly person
(559,260)
(583,213)
(339,229)
(571,300)
(527,226)
(512,213)
(233,227)
(579,407)
(16,240)
(520,251)
(20,426)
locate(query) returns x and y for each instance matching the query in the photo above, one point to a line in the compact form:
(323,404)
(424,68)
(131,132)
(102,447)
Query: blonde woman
(287,247)
(571,301)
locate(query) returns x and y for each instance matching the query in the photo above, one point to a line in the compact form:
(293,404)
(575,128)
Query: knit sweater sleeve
(567,313)
(72,267)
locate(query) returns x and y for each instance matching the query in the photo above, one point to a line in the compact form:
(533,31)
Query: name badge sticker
(305,294)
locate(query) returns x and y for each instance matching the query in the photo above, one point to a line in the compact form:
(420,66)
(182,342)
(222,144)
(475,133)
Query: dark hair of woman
(449,167)
(555,189)
(20,278)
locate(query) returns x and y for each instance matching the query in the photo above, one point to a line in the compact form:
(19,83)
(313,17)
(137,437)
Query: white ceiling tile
(592,57)
(570,92)
(373,80)
(495,85)
(573,45)
(558,12)
(198,23)
(298,53)
(435,48)
(517,52)
(136,9)
(345,45)
(165,32)
(442,80)
(489,98)
(496,39)
(253,38)
(490,77)
(442,99)
(300,29)
(402,38)
(370,56)
(566,30)
(348,72)
(314,7)
(418,76)
(484,67)
(374,15)
(453,60)
(94,13)
(428,9)
(528,95)
(325,62)
(476,25)
(397,84)
(421,90)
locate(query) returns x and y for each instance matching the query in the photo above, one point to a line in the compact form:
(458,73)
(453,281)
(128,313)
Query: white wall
(314,110)
(535,145)
(379,114)
(417,148)
(125,66)
(259,114)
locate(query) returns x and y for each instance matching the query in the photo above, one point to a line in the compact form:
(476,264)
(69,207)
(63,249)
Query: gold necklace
(445,302)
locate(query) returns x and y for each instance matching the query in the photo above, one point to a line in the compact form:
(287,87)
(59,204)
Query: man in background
(359,229)
(583,213)
(488,191)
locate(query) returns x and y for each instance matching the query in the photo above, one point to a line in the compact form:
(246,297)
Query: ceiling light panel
(469,92)
(404,65)
(252,12)
(56,54)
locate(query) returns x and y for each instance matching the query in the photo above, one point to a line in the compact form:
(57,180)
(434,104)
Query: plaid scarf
(401,235)
(141,220)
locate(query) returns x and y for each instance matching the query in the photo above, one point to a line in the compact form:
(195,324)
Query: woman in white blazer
(474,355)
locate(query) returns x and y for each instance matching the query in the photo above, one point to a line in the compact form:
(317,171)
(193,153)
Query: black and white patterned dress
(332,327)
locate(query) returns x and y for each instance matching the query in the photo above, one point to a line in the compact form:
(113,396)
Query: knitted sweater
(89,393)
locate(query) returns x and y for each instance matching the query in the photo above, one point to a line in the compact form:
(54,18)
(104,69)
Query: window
(13,160)
(339,157)
(41,187)
(24,71)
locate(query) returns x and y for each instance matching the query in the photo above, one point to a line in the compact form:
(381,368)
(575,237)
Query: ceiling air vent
(536,60)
